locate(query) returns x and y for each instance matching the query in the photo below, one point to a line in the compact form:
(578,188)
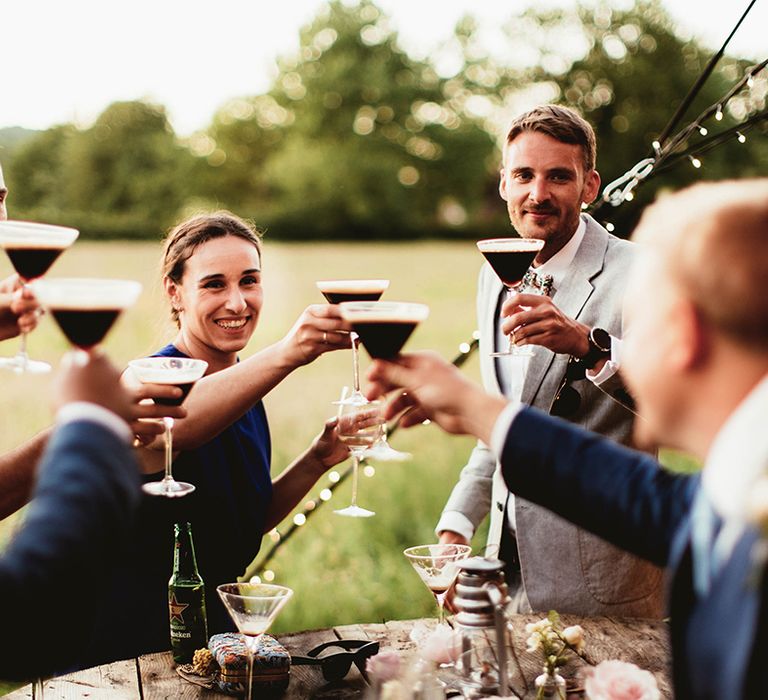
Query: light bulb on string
(656,147)
(740,137)
(610,227)
(695,162)
(750,81)
(719,113)
(629,196)
(703,130)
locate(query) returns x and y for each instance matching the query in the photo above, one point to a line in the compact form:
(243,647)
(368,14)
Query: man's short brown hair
(712,240)
(562,124)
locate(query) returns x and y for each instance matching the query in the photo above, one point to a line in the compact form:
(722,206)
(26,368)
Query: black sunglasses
(567,400)
(336,666)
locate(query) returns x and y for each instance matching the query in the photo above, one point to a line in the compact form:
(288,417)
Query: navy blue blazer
(53,573)
(719,642)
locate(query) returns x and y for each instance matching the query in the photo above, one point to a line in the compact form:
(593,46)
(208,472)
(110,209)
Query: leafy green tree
(38,170)
(633,72)
(354,139)
(128,162)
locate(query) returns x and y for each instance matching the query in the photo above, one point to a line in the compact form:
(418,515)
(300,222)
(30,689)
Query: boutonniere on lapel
(757,516)
(537,284)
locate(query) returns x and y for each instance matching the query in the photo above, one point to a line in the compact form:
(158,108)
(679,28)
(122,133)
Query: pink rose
(442,645)
(384,666)
(618,680)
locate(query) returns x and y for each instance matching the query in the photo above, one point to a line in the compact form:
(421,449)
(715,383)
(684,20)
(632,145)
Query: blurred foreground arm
(54,573)
(437,390)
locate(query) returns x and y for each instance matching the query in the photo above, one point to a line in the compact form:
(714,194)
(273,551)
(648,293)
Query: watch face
(601,338)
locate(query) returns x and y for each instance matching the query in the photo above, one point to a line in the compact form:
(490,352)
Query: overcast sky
(65,61)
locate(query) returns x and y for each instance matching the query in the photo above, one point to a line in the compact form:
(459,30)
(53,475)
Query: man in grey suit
(548,173)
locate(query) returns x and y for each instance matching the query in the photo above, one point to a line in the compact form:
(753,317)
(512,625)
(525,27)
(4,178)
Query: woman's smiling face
(220,296)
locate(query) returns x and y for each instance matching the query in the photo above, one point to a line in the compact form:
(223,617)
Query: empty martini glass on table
(436,566)
(183,372)
(510,259)
(360,423)
(32,248)
(253,607)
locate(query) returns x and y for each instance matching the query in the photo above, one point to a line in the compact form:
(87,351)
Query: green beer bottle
(186,598)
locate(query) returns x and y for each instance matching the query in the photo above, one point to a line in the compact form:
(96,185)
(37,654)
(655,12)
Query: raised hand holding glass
(32,248)
(183,372)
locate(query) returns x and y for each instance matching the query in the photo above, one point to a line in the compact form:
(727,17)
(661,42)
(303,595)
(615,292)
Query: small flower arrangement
(619,680)
(554,642)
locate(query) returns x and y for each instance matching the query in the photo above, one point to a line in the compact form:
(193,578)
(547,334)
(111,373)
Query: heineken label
(186,608)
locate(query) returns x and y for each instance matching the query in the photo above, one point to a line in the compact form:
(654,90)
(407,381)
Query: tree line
(355,139)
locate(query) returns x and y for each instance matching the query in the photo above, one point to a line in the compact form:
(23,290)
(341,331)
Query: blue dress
(227,510)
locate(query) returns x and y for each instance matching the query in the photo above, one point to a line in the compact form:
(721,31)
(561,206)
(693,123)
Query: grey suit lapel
(570,296)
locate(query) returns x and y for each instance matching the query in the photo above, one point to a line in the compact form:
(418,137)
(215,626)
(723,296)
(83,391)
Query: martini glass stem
(22,357)
(355,475)
(440,598)
(168,424)
(251,644)
(355,361)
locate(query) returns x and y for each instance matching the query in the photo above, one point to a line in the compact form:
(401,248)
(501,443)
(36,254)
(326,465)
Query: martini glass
(337,291)
(510,259)
(85,309)
(436,566)
(383,327)
(183,372)
(253,607)
(360,425)
(32,248)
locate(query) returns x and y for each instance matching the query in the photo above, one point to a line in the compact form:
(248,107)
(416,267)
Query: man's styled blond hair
(713,240)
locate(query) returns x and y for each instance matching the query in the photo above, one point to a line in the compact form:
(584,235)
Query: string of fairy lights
(698,137)
(745,103)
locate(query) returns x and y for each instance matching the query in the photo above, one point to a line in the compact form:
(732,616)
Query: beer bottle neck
(184,562)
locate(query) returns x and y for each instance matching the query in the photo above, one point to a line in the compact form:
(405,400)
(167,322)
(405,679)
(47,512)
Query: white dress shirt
(82,410)
(737,459)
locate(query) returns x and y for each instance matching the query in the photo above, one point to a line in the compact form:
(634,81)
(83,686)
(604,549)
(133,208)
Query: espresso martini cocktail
(510,259)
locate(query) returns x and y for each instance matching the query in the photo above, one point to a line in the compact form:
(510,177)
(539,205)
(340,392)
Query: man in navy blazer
(695,356)
(53,573)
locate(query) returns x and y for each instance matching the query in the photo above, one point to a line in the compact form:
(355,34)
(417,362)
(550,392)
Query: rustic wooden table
(153,677)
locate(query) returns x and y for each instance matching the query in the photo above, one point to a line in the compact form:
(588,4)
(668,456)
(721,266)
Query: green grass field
(342,570)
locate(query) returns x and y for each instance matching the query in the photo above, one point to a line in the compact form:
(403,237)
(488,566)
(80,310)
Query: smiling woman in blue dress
(212,278)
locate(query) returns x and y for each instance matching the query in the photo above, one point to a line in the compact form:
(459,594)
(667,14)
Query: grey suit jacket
(563,567)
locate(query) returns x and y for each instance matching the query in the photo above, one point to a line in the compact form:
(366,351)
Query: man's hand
(95,380)
(450,537)
(19,312)
(438,390)
(534,319)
